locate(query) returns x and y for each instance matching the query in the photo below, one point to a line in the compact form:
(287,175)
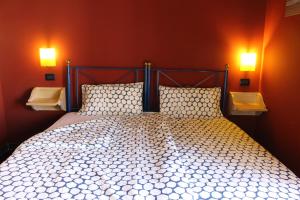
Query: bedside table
(246,103)
(47,98)
(244,110)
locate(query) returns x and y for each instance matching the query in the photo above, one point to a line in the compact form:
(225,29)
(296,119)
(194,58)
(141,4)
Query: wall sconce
(47,57)
(248,64)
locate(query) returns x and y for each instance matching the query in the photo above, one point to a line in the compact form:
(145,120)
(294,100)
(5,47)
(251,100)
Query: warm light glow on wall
(47,57)
(248,62)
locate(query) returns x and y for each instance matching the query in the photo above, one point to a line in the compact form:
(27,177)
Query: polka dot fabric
(112,99)
(190,102)
(147,156)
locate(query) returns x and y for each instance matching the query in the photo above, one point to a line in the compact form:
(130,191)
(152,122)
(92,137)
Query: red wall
(2,116)
(189,33)
(279,127)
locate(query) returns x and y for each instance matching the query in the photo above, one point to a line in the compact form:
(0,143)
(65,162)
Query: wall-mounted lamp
(248,64)
(47,57)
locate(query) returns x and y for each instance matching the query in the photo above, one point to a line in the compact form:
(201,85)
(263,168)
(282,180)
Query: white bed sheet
(70,118)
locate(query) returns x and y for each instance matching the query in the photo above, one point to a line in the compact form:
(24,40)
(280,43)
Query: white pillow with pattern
(112,99)
(190,102)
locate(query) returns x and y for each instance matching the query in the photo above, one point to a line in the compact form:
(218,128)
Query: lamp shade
(248,62)
(47,57)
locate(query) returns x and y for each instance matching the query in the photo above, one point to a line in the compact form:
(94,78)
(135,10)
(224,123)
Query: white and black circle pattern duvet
(145,157)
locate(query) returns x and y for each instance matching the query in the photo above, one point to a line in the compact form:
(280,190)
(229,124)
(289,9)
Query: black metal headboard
(194,74)
(73,87)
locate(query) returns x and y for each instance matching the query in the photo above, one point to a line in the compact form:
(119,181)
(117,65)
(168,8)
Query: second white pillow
(190,102)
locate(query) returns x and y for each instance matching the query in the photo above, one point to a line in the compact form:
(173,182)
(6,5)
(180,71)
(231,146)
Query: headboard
(120,75)
(152,78)
(189,77)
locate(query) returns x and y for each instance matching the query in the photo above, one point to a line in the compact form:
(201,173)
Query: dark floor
(6,150)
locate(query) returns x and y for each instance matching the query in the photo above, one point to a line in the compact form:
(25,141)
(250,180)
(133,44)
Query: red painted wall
(279,127)
(189,33)
(2,116)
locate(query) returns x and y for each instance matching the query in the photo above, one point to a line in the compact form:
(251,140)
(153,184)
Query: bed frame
(169,74)
(74,87)
(151,84)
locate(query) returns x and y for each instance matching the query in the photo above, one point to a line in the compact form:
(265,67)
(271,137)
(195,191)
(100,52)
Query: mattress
(149,156)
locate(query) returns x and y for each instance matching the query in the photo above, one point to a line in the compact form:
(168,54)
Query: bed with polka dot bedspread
(148,156)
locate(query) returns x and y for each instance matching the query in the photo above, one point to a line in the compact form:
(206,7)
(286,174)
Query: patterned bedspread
(145,157)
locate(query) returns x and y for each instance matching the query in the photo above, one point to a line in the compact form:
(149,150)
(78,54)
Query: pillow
(190,102)
(112,99)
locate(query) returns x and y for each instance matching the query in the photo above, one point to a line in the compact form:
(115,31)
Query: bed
(150,155)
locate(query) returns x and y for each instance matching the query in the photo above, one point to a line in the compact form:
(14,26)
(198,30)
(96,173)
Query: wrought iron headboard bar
(135,70)
(147,81)
(225,88)
(163,71)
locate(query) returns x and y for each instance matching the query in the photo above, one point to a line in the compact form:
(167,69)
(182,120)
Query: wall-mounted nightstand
(244,109)
(47,98)
(246,103)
